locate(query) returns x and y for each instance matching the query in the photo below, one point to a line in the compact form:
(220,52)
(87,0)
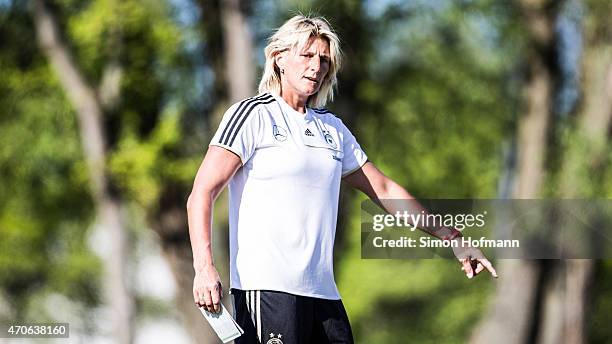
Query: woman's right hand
(207,289)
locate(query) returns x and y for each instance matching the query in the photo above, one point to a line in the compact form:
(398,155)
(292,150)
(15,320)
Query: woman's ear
(279,59)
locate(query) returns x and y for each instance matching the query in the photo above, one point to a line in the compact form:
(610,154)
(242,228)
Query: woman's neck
(297,102)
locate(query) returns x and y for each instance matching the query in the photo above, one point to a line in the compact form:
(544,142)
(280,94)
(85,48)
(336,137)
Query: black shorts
(273,317)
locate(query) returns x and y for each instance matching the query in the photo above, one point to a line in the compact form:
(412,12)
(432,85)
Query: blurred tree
(90,114)
(239,59)
(584,166)
(511,317)
(552,304)
(43,250)
(131,50)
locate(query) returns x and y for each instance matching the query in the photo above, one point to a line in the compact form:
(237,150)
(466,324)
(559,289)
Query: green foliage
(599,315)
(127,30)
(44,200)
(142,167)
(45,205)
(442,105)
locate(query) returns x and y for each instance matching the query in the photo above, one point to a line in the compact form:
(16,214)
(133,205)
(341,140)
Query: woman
(284,157)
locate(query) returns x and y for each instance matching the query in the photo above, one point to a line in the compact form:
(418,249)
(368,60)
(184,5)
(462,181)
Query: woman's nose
(315,64)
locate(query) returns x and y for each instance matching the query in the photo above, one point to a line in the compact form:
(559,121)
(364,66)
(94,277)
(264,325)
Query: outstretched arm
(386,193)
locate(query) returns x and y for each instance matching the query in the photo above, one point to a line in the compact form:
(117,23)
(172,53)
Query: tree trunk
(511,315)
(566,302)
(214,51)
(239,68)
(108,206)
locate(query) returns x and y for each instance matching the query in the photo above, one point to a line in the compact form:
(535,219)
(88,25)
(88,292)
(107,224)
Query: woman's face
(305,70)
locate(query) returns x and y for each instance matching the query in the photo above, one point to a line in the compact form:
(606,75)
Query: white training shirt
(284,199)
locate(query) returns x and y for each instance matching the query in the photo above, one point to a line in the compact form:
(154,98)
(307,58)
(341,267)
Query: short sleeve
(354,156)
(239,131)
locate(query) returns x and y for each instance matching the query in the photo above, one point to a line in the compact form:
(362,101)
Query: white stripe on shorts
(252,292)
(258,311)
(247,302)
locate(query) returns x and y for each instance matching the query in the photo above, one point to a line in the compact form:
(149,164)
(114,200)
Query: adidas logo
(308,132)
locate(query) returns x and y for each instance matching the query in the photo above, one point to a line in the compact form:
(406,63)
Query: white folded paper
(224,325)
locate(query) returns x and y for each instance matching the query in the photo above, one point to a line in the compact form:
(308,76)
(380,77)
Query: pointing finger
(487,264)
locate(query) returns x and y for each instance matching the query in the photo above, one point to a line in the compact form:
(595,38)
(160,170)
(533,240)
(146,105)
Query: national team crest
(330,140)
(279,133)
(275,339)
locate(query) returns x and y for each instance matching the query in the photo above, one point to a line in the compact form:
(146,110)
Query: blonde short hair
(295,34)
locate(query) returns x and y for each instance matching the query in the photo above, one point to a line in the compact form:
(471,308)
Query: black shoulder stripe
(242,116)
(240,106)
(252,105)
(236,115)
